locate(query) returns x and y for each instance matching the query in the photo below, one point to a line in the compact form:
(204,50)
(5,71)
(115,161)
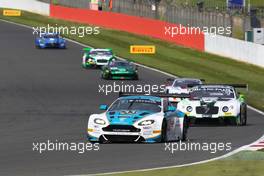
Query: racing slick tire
(186,125)
(164,131)
(243,115)
(241,120)
(136,77)
(109,77)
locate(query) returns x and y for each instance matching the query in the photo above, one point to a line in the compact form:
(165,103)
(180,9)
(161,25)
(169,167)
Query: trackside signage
(11,12)
(142,49)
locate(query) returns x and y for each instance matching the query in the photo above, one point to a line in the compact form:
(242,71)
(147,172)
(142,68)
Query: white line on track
(177,166)
(157,168)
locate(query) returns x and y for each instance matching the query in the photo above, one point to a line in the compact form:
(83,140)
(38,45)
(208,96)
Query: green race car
(117,69)
(96,57)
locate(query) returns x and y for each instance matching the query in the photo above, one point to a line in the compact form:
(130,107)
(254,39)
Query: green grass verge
(241,164)
(169,57)
(247,155)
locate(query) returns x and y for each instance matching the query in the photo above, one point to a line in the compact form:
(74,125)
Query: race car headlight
(225,109)
(146,122)
(90,59)
(99,121)
(189,109)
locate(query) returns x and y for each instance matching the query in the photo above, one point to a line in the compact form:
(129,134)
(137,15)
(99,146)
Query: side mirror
(241,96)
(103,107)
(171,109)
(114,58)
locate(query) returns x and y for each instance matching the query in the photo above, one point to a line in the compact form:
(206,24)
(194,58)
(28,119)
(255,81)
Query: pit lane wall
(132,24)
(27,5)
(236,49)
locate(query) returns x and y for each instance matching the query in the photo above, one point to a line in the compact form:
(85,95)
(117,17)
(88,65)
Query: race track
(46,95)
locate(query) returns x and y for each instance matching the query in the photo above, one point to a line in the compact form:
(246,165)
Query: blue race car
(50,40)
(138,118)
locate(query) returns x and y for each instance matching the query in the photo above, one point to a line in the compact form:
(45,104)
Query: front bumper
(209,116)
(93,63)
(123,138)
(144,134)
(53,45)
(123,75)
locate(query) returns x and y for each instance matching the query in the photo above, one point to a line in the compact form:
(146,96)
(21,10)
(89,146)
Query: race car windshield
(136,104)
(120,64)
(222,93)
(185,83)
(105,53)
(51,36)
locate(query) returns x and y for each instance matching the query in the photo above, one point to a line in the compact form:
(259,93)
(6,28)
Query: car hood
(52,40)
(207,101)
(126,117)
(122,69)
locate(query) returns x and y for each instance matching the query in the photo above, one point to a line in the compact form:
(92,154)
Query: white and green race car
(96,57)
(216,101)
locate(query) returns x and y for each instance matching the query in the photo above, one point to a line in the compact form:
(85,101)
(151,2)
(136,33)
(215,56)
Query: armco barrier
(236,49)
(132,24)
(27,5)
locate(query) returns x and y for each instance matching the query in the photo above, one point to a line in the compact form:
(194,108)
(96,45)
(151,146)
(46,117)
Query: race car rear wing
(162,95)
(172,79)
(217,84)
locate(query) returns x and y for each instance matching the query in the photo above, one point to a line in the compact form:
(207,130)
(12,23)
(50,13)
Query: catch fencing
(178,14)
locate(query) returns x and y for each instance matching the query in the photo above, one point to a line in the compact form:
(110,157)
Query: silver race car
(180,86)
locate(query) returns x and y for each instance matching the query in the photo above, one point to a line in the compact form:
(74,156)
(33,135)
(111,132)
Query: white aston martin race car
(96,57)
(180,86)
(138,118)
(216,101)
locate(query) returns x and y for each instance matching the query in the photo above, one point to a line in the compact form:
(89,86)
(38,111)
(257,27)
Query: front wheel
(136,77)
(243,115)
(164,131)
(185,128)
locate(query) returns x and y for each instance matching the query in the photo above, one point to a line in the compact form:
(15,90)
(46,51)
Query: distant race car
(216,101)
(138,118)
(50,40)
(96,57)
(180,86)
(119,70)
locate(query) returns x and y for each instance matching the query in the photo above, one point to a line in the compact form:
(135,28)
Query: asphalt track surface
(46,95)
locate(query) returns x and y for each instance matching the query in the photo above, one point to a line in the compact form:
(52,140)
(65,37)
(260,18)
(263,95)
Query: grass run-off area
(173,59)
(245,163)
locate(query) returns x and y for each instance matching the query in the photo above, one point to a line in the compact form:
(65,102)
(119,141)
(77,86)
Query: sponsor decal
(228,113)
(12,12)
(142,49)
